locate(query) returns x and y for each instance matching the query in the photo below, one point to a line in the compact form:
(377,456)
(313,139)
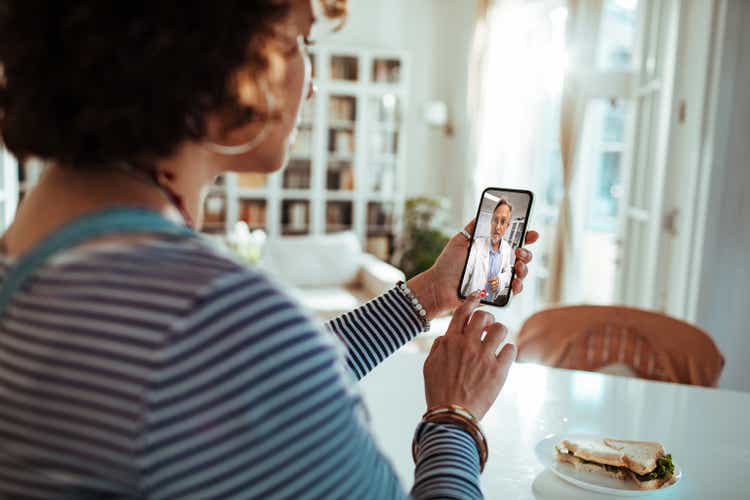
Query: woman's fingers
(478,323)
(505,359)
(462,314)
(496,334)
(522,269)
(435,344)
(462,240)
(517,286)
(531,237)
(524,255)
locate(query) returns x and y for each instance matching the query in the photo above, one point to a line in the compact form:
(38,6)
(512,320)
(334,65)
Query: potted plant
(424,238)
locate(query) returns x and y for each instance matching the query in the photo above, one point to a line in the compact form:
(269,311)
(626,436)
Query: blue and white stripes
(163,370)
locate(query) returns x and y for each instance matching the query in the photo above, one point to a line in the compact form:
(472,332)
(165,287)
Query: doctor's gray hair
(503,201)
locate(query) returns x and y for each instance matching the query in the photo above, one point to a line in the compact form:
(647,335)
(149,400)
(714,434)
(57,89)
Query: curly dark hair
(92,83)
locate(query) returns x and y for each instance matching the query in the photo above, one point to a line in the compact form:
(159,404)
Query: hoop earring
(240,149)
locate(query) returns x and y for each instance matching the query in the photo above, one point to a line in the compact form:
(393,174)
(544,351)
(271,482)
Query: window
(519,125)
(601,155)
(519,140)
(617,29)
(604,174)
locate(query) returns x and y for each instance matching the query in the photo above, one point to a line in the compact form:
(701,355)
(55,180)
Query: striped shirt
(163,369)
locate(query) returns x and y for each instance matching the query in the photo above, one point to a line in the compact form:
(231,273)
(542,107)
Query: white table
(706,430)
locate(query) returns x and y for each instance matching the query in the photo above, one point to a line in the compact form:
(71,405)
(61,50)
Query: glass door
(603,146)
(641,219)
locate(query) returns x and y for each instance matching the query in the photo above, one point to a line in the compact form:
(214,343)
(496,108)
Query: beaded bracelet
(460,416)
(414,301)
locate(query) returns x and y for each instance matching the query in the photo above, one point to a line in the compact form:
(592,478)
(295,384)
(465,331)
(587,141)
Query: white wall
(723,306)
(437,35)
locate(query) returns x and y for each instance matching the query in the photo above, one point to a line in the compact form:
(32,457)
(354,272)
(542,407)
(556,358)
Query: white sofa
(328,274)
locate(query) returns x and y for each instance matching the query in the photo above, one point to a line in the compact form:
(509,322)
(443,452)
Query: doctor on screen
(491,258)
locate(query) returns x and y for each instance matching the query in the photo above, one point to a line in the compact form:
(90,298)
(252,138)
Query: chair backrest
(653,345)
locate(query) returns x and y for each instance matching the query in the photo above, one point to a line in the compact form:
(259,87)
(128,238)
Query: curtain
(568,134)
(475,96)
(572,109)
(517,64)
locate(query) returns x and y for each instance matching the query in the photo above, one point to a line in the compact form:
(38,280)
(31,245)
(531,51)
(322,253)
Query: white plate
(545,452)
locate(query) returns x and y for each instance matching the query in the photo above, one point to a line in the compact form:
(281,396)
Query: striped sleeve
(252,400)
(375,330)
(448,463)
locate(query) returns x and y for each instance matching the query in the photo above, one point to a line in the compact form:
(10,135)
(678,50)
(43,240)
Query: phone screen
(499,230)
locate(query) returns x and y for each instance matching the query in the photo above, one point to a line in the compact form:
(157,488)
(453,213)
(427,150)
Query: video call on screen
(499,232)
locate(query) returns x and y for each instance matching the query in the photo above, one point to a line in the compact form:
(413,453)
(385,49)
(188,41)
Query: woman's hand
(437,288)
(462,368)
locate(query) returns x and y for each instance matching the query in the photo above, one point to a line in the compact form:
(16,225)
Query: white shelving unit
(346,170)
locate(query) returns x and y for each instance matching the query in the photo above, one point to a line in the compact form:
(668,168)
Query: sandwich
(643,462)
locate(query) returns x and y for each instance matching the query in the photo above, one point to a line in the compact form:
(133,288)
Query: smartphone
(502,217)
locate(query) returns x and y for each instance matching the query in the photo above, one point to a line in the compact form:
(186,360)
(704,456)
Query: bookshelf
(346,167)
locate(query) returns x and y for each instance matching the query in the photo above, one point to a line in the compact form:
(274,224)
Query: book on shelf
(342,109)
(346,181)
(379,246)
(338,215)
(297,213)
(254,213)
(297,174)
(341,142)
(379,216)
(386,71)
(296,180)
(344,68)
(340,176)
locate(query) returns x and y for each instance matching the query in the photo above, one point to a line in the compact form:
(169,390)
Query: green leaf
(664,469)
(423,238)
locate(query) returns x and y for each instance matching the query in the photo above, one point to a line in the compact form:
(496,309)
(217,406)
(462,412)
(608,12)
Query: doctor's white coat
(478,266)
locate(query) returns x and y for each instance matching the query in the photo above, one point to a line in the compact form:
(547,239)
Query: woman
(137,362)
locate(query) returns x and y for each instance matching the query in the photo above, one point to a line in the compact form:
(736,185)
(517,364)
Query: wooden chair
(652,345)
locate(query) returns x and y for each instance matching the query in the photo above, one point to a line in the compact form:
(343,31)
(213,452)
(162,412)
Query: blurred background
(629,119)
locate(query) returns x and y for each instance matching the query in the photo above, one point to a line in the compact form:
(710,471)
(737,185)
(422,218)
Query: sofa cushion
(320,260)
(329,301)
(376,276)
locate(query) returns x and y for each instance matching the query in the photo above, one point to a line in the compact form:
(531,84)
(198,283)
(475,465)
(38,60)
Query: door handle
(669,223)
